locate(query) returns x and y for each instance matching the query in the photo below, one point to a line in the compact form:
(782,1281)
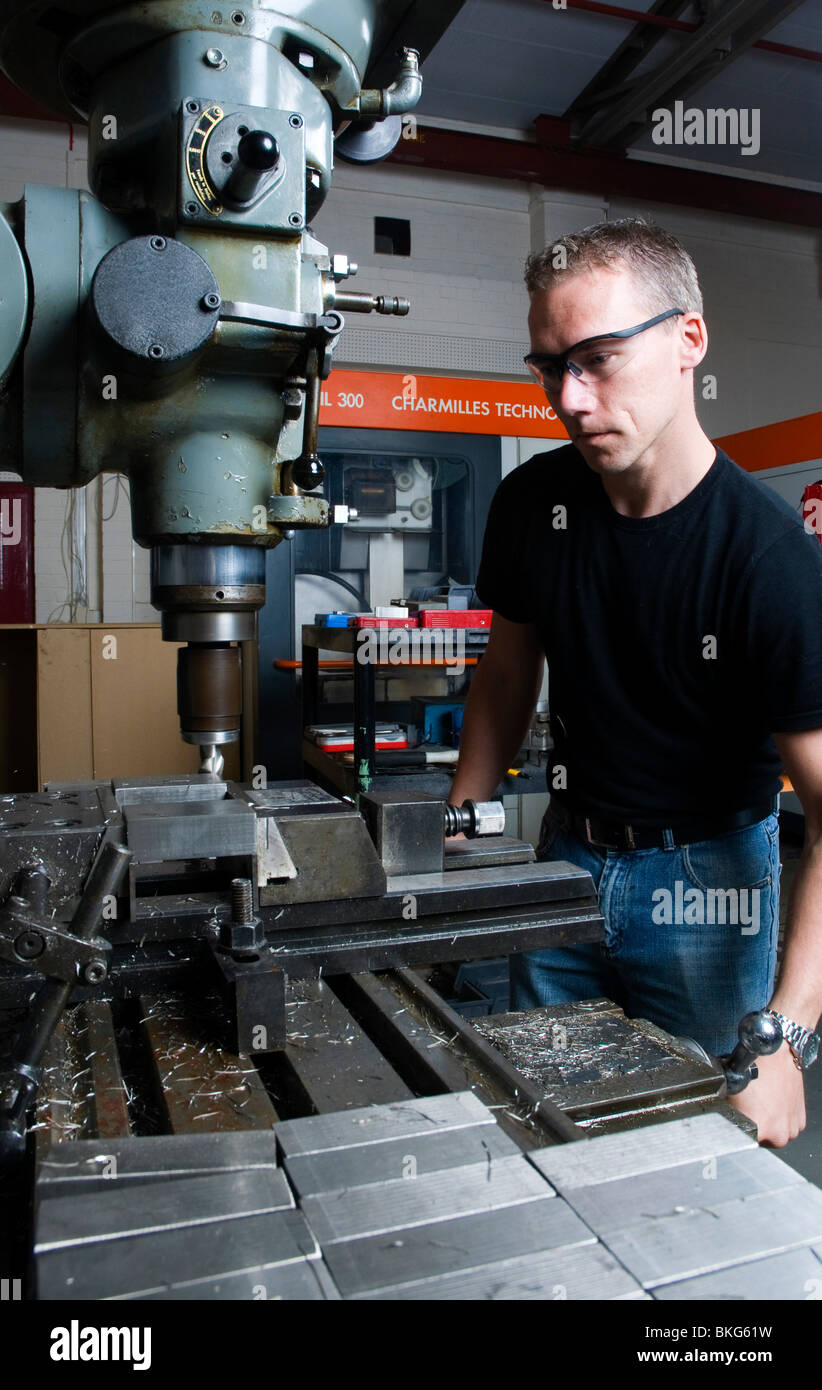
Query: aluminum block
(404,1202)
(612,1156)
(375,1124)
(794,1276)
(376,1163)
(443,1247)
(308,1281)
(691,1242)
(687,1187)
(131,1209)
(159,832)
(579,1272)
(69,1167)
(194,1257)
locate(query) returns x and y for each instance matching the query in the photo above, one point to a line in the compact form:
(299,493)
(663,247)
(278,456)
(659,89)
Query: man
(679,603)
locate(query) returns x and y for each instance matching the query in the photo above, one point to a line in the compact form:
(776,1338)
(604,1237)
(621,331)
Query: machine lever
(760,1034)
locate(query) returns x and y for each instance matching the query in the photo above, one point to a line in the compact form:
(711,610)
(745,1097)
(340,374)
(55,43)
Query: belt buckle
(600,844)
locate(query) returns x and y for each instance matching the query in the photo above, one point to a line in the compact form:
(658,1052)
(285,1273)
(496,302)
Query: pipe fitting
(403,94)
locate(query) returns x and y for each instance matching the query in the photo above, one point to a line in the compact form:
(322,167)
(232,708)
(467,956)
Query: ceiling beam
(645,34)
(555,164)
(728,31)
(656,19)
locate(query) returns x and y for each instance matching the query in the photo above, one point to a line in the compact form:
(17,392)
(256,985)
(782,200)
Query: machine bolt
(158,243)
(295,219)
(29,945)
(156,350)
(238,17)
(193,107)
(95,972)
(215,58)
(242,901)
(342,268)
(210,301)
(191,209)
(295,120)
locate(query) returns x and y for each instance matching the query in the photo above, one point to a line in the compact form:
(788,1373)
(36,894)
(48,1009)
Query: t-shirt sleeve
(501,577)
(783,633)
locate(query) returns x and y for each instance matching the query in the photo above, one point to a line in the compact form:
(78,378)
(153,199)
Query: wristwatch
(803,1042)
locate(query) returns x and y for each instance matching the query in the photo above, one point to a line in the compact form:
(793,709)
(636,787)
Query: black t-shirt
(676,644)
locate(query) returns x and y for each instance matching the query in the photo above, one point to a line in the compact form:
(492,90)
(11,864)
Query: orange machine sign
(384,400)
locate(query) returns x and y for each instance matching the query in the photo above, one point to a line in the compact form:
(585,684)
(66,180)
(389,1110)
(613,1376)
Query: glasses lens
(600,360)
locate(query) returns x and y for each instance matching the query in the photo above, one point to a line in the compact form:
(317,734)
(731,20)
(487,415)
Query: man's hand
(776,1100)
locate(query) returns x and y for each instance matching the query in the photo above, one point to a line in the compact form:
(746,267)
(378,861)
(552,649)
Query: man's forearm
(497,714)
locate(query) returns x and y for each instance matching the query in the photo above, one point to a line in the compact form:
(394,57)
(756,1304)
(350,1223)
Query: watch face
(811,1050)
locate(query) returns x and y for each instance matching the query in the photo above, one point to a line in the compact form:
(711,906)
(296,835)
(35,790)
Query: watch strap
(796,1036)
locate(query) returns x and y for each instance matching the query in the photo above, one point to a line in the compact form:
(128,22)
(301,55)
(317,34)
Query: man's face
(614,422)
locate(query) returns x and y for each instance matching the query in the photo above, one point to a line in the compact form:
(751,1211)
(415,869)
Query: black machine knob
(257,154)
(308,472)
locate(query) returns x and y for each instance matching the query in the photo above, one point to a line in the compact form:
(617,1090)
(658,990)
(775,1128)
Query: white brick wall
(469,238)
(55,154)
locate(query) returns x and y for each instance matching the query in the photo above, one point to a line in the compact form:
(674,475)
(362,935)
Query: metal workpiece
(63,1221)
(143,791)
(266,1248)
(170,830)
(66,1168)
(368,1125)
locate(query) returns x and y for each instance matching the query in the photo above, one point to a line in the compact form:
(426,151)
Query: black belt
(613,835)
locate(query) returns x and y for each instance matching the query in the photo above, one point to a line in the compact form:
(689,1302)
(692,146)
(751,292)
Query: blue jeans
(690,932)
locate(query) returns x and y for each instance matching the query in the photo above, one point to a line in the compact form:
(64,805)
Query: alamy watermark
(717,125)
(691,906)
(11,521)
(412,646)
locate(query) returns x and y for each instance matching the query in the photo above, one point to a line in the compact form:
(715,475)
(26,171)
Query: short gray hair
(660,264)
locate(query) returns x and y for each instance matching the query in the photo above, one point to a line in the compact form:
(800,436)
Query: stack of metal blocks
(426,1199)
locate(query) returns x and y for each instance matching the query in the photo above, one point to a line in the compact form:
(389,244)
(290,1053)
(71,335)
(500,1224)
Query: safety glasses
(593,359)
